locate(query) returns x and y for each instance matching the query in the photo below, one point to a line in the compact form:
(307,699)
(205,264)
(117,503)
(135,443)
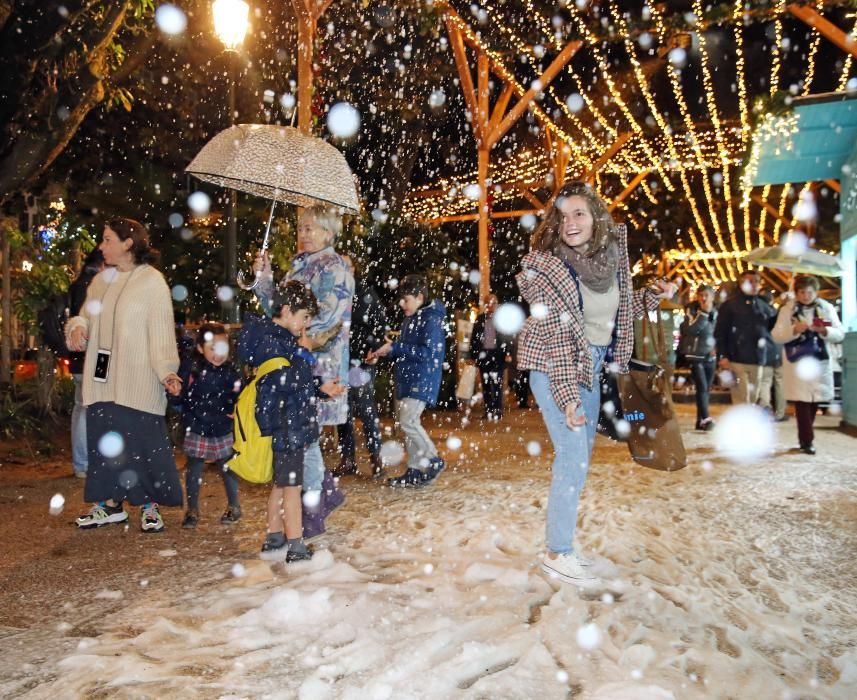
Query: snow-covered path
(727,581)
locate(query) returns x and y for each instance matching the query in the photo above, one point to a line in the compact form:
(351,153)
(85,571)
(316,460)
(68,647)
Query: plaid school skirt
(208,448)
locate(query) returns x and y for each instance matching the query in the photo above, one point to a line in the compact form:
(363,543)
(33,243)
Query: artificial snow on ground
(724,581)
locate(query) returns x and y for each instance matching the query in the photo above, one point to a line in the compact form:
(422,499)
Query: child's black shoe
(412,477)
(436,466)
(232,515)
(191,520)
(304,555)
(275,547)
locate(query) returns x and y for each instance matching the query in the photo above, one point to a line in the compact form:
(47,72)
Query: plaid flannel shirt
(553,339)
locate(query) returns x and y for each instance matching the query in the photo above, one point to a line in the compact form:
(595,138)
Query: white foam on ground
(733,581)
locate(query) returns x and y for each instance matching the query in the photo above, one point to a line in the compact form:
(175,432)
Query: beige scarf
(598,271)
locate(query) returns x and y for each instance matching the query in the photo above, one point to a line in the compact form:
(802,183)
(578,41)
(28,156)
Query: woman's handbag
(807,344)
(466,383)
(611,407)
(654,439)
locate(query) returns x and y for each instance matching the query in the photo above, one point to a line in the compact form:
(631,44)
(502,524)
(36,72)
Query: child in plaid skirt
(210,388)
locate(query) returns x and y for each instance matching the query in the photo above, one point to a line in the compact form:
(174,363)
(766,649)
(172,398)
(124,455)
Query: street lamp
(231,21)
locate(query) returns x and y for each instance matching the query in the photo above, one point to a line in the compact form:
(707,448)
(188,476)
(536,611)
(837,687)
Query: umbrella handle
(258,275)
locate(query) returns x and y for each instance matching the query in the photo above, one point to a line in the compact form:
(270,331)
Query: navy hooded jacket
(419,354)
(208,397)
(285,398)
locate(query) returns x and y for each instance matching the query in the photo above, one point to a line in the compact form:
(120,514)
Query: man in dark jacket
(93,264)
(743,324)
(489,351)
(368,326)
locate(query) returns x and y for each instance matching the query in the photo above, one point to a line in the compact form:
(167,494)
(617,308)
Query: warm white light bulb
(231,21)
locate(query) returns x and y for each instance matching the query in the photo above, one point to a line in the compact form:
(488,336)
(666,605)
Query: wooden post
(308,12)
(484,253)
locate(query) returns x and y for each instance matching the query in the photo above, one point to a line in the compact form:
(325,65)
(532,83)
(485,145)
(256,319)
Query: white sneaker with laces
(150,517)
(584,561)
(568,567)
(101,514)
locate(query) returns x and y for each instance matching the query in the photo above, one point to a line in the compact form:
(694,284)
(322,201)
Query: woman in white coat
(809,325)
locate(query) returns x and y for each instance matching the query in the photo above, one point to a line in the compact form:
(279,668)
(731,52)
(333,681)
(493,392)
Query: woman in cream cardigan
(126,329)
(807,382)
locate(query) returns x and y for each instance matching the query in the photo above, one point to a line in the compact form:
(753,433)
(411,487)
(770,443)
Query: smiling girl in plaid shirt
(577,280)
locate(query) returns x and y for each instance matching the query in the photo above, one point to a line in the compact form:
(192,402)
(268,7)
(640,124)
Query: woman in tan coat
(126,329)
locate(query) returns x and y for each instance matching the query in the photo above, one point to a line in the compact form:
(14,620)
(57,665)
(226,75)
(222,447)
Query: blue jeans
(79,458)
(361,404)
(572,454)
(313,467)
(702,373)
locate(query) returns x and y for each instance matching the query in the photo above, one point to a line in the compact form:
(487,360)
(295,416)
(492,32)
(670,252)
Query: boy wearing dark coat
(285,410)
(418,355)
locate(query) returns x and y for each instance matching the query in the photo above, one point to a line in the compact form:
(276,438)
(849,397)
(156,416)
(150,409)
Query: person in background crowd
(577,271)
(126,329)
(93,264)
(488,349)
(696,345)
(519,378)
(805,320)
(368,325)
(743,324)
(771,396)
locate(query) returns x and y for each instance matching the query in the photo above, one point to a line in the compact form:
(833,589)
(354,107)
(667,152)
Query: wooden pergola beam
(827,29)
(638,178)
(772,210)
(474,217)
(464,75)
(834,185)
(615,147)
(541,83)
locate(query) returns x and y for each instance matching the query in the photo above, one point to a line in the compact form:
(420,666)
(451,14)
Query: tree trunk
(6,331)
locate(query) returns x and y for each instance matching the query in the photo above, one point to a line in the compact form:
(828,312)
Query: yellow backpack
(254,458)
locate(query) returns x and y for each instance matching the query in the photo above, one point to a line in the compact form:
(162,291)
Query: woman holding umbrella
(807,325)
(321,268)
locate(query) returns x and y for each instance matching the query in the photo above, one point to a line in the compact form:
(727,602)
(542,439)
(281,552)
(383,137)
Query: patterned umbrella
(810,262)
(279,163)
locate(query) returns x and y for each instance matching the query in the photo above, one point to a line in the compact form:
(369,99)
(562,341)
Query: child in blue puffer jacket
(285,410)
(210,387)
(418,355)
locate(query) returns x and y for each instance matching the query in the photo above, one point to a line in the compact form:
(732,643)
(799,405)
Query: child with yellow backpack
(285,395)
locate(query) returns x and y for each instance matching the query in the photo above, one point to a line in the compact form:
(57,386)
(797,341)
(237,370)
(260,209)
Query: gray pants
(748,379)
(772,384)
(417,441)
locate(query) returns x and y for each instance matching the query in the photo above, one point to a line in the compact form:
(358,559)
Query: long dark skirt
(130,457)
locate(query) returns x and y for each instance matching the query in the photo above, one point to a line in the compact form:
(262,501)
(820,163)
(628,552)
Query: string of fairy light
(694,151)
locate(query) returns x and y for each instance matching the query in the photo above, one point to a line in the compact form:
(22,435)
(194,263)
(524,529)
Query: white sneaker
(584,561)
(568,567)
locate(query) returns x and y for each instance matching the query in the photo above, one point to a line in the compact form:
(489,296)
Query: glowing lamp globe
(231,20)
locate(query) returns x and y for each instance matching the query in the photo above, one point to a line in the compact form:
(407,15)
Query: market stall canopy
(809,262)
(811,143)
(279,163)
